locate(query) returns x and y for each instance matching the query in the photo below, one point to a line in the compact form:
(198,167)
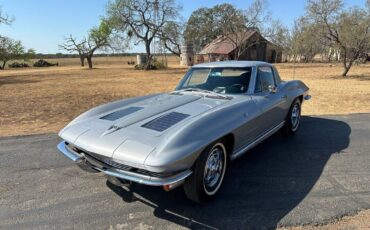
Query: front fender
(183,147)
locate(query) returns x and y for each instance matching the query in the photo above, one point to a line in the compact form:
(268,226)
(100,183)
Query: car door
(269,99)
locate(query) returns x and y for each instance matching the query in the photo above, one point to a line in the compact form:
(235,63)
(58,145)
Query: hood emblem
(114,127)
(111,129)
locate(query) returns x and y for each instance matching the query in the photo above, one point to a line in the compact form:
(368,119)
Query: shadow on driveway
(261,187)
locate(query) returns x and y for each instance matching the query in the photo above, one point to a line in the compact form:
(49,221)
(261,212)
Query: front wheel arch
(194,186)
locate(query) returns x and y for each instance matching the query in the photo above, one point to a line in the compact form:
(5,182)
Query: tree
(233,27)
(5,19)
(141,20)
(10,50)
(347,30)
(305,41)
(203,25)
(30,54)
(172,36)
(72,45)
(97,39)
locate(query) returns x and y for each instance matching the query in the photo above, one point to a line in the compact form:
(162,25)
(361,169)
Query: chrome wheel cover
(295,116)
(214,169)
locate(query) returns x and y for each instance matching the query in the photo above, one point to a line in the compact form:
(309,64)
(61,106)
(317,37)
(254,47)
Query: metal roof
(237,64)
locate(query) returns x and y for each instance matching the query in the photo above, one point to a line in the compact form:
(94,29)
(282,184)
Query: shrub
(18,65)
(159,64)
(43,63)
(142,67)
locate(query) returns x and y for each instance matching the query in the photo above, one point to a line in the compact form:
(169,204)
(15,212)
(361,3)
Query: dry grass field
(43,100)
(39,100)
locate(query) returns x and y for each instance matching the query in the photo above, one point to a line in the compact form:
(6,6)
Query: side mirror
(272,89)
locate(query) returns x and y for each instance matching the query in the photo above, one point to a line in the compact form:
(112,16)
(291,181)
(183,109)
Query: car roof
(238,64)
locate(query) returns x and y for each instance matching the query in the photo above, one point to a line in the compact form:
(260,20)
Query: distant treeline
(62,55)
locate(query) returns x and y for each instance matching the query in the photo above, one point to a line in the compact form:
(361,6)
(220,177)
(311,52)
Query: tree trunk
(89,61)
(347,67)
(3,65)
(82,60)
(347,64)
(148,56)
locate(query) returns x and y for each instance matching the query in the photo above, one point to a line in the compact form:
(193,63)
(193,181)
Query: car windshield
(219,80)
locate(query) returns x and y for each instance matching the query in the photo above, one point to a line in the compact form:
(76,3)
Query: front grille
(110,163)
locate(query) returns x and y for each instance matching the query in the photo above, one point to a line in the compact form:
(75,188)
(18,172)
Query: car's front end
(133,142)
(93,162)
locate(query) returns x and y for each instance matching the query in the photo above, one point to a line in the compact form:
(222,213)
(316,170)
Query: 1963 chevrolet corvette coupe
(186,137)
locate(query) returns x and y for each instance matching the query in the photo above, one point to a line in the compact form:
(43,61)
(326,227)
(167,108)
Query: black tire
(199,186)
(293,118)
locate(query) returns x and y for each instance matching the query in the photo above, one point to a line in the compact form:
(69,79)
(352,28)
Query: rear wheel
(293,118)
(208,173)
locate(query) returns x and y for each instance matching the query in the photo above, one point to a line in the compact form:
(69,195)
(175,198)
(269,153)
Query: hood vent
(121,113)
(164,122)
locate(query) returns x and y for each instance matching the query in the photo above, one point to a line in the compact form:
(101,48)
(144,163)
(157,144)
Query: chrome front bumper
(126,175)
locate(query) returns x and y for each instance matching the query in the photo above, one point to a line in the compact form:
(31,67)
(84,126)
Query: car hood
(131,132)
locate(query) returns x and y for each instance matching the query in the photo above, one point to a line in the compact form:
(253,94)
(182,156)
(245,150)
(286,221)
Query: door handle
(284,96)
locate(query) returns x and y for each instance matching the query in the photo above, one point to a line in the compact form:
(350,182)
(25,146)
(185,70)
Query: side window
(265,77)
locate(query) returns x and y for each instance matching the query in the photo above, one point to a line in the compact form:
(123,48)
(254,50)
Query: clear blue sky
(42,24)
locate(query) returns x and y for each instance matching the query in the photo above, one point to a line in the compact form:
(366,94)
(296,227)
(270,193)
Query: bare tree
(279,35)
(347,30)
(5,19)
(72,45)
(171,36)
(305,41)
(142,20)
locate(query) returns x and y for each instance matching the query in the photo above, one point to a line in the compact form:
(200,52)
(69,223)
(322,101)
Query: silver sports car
(186,137)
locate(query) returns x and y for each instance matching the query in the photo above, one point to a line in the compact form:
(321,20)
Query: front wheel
(208,174)
(293,118)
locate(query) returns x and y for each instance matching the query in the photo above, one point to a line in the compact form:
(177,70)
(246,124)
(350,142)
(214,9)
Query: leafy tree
(30,54)
(99,38)
(345,29)
(203,25)
(141,20)
(233,26)
(10,50)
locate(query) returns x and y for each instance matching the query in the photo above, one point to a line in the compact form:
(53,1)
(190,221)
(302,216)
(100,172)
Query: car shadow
(261,187)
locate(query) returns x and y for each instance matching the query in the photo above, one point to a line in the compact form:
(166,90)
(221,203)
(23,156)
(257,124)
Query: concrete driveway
(321,173)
